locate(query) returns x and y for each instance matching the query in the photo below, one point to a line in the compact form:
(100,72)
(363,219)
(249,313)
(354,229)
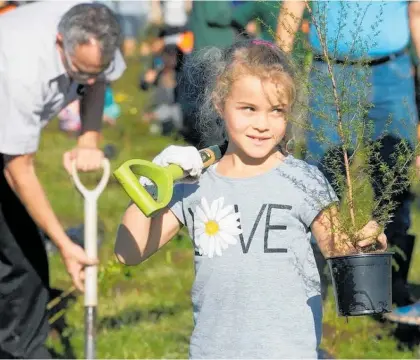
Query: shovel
(128,175)
(91,248)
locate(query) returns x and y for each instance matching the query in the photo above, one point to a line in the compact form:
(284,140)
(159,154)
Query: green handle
(176,171)
(128,176)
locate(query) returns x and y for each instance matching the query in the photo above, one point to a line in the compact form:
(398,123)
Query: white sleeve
(118,67)
(20,125)
(172,39)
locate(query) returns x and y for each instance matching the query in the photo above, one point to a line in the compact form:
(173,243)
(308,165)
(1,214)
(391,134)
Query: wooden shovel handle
(210,155)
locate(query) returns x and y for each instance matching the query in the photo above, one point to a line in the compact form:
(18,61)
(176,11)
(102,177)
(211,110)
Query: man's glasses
(84,76)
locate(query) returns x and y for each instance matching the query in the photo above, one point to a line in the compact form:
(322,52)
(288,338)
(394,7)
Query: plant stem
(57,316)
(339,115)
(58,299)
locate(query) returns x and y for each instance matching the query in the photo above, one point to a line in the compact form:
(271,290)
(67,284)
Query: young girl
(256,292)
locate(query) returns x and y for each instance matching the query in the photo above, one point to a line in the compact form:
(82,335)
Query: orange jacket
(5,9)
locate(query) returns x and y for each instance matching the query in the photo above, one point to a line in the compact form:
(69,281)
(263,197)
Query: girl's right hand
(187,157)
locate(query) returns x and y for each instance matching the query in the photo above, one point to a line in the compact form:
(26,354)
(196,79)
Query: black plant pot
(362,283)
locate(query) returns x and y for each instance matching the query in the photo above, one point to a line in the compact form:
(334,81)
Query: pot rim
(366,312)
(360,255)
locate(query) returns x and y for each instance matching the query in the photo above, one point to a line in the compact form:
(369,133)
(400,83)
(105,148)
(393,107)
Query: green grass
(145,311)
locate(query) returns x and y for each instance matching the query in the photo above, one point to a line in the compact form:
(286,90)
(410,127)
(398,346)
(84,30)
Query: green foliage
(354,160)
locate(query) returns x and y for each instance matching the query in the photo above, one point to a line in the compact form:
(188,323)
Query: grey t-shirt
(256,292)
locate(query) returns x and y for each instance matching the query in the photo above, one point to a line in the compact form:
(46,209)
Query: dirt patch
(134,315)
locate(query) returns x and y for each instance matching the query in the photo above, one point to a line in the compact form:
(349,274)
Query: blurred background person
(133,18)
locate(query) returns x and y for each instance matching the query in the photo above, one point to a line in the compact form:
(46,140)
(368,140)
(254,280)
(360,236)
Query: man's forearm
(414,18)
(290,17)
(92,107)
(91,113)
(21,176)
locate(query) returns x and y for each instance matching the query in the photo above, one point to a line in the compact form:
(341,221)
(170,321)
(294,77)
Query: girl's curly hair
(208,76)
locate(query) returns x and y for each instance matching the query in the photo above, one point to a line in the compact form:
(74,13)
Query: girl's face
(255,116)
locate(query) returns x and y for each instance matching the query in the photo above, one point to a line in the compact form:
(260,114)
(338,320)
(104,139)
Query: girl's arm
(139,237)
(332,241)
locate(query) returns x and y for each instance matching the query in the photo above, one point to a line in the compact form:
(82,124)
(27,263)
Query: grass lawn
(145,311)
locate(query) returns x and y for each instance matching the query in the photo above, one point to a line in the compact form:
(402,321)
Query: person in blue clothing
(237,2)
(132,17)
(383,34)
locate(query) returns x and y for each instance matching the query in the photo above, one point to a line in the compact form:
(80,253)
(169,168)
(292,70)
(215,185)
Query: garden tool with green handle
(91,249)
(128,175)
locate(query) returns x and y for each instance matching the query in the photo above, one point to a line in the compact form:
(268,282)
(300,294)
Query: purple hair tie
(263,42)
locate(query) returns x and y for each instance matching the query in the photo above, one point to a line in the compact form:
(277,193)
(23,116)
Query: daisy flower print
(216,228)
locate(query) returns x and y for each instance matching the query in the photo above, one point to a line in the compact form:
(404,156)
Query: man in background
(69,51)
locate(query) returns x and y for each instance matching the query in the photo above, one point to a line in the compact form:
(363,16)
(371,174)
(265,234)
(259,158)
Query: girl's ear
(218,108)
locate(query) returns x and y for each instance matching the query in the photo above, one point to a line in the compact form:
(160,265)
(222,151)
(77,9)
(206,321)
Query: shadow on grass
(415,290)
(68,352)
(134,315)
(407,336)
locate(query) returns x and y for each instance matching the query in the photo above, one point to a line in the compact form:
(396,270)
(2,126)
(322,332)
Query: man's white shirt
(34,85)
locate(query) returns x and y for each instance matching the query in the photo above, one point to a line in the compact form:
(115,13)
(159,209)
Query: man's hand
(150,76)
(87,159)
(251,28)
(75,260)
(21,176)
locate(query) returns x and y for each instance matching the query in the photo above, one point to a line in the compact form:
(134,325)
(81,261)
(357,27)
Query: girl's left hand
(371,234)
